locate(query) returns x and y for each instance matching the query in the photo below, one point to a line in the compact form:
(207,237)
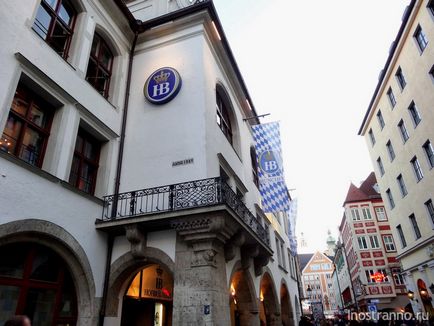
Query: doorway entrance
(148,300)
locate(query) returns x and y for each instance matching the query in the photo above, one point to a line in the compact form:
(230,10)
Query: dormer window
(55,24)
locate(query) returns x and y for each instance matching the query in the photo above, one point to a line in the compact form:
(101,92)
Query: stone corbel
(259,263)
(230,247)
(248,252)
(137,240)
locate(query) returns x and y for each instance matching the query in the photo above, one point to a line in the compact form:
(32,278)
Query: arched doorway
(148,299)
(269,314)
(425,297)
(286,307)
(243,307)
(35,281)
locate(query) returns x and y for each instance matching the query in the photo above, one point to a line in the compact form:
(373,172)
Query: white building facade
(115,210)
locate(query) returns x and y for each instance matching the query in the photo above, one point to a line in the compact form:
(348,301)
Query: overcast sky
(314,66)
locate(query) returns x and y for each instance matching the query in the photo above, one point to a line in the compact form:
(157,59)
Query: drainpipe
(110,239)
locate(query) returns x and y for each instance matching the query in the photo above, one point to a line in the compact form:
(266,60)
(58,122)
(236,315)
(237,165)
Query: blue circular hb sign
(269,162)
(162,86)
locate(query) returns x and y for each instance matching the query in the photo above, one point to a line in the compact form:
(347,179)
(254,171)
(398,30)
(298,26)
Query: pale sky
(314,65)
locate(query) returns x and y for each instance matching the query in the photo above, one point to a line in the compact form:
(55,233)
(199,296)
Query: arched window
(54,22)
(36,282)
(223,118)
(99,69)
(254,166)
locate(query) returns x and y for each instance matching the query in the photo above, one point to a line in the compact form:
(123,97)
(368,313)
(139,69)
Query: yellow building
(398,128)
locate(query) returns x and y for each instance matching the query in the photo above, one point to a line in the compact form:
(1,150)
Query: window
(427,147)
(99,69)
(28,127)
(403,131)
(402,186)
(362,243)
(380,119)
(223,119)
(369,273)
(417,169)
(400,78)
(355,214)
(415,226)
(366,213)
(390,151)
(420,38)
(254,161)
(401,236)
(36,282)
(430,209)
(391,97)
(55,24)
(380,166)
(414,113)
(389,243)
(397,277)
(431,72)
(373,240)
(84,166)
(390,198)
(381,214)
(372,137)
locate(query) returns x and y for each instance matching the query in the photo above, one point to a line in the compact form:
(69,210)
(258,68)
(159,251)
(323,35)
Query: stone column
(249,318)
(201,294)
(411,286)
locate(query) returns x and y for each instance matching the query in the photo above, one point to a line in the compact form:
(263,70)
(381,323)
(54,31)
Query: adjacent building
(369,249)
(398,128)
(128,173)
(316,271)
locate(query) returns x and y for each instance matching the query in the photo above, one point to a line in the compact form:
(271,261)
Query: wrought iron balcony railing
(181,196)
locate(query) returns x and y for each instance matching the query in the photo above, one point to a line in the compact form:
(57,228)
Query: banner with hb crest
(274,193)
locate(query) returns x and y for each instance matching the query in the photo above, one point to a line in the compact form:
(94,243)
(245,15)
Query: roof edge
(392,51)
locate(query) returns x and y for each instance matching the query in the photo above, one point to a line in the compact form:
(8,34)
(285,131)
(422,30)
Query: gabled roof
(313,257)
(304,259)
(365,192)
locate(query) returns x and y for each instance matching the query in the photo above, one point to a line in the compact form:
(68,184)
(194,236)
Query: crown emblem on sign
(162,77)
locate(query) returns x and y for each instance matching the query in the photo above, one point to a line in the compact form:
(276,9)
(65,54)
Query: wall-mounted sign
(183,162)
(162,85)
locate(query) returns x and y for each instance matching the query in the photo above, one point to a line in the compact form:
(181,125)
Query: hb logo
(162,86)
(268,162)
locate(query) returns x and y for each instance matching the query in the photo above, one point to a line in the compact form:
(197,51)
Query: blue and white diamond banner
(275,197)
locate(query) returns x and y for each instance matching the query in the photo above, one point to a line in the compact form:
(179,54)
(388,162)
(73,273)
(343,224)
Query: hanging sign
(162,85)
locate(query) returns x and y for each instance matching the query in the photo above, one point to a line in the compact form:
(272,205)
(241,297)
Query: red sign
(378,277)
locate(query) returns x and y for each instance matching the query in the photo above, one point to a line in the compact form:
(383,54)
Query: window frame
(401,236)
(414,114)
(390,150)
(86,136)
(429,152)
(401,185)
(366,212)
(429,206)
(415,226)
(390,198)
(420,38)
(388,244)
(55,17)
(392,98)
(99,67)
(24,94)
(224,116)
(384,213)
(403,131)
(380,119)
(254,162)
(380,166)
(355,214)
(361,240)
(373,245)
(372,137)
(400,78)
(417,169)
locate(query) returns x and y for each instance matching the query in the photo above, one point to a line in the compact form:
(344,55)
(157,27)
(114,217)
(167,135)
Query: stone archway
(425,297)
(123,271)
(243,302)
(269,312)
(67,247)
(286,306)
